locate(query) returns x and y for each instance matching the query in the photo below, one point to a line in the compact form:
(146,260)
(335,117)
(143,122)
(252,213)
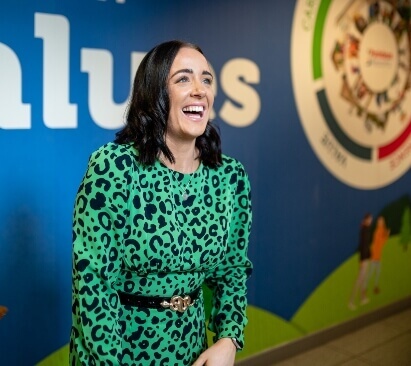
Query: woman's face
(191,96)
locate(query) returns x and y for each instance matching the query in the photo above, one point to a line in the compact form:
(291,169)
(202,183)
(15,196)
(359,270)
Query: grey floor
(384,343)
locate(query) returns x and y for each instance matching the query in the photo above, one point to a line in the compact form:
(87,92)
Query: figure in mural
(374,11)
(337,56)
(360,22)
(360,285)
(3,311)
(380,237)
(159,212)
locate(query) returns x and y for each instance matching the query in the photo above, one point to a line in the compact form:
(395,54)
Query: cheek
(210,100)
(174,112)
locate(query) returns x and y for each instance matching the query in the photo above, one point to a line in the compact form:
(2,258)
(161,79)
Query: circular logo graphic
(351,71)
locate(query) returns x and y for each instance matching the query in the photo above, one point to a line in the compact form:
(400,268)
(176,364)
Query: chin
(200,132)
(196,131)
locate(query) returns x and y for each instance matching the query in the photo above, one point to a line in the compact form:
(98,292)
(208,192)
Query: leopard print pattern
(134,232)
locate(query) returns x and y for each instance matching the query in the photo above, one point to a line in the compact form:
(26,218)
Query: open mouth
(195,111)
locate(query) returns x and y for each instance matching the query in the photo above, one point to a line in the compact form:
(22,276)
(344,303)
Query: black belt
(176,303)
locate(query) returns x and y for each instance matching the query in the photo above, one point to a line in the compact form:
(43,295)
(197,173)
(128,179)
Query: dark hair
(149,107)
(366,217)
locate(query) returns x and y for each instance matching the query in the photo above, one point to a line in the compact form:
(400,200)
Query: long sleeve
(99,223)
(228,280)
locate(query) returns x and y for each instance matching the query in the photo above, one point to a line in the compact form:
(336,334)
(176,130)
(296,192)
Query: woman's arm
(228,280)
(98,227)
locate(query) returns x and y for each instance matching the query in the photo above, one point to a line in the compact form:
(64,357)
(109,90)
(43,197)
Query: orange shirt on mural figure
(380,237)
(3,311)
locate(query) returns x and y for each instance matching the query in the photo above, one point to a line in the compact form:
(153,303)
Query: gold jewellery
(178,303)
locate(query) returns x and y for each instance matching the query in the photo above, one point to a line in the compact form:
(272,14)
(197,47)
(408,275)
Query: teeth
(193,108)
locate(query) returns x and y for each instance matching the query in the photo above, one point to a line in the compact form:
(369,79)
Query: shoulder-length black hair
(148,110)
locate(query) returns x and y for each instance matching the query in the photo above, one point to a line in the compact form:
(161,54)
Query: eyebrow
(190,71)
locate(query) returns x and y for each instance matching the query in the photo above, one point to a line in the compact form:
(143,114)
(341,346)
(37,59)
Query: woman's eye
(183,79)
(208,81)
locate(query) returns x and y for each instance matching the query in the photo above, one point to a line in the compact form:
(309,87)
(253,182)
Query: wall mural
(360,84)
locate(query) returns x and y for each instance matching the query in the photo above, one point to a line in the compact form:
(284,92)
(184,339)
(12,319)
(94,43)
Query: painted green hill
(327,305)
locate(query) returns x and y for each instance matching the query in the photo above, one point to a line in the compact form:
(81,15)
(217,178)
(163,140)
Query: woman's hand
(221,353)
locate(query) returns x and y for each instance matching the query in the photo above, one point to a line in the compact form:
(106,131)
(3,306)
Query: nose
(198,90)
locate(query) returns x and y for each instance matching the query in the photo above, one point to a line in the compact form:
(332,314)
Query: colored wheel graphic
(354,92)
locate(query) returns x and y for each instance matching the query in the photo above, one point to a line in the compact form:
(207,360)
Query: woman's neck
(185,156)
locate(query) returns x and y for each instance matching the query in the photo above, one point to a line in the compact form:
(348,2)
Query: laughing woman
(160,212)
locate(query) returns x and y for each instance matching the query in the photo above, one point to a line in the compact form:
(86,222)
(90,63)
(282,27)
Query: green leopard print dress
(133,232)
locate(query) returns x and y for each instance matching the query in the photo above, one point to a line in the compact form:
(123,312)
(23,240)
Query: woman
(160,212)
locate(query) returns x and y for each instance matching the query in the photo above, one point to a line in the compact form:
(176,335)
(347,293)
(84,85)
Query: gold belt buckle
(178,303)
